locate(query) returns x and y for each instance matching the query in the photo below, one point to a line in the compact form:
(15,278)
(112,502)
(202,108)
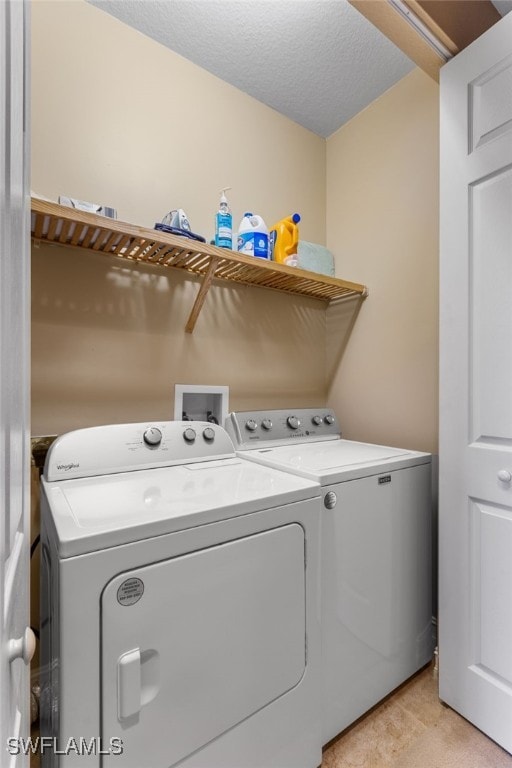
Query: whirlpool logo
(67,467)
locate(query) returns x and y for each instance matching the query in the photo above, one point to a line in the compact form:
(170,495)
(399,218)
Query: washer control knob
(266,424)
(251,425)
(293,422)
(330,500)
(505,476)
(329,419)
(317,420)
(152,436)
(209,434)
(189,435)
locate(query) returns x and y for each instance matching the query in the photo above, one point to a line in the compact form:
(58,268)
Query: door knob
(504,475)
(23,648)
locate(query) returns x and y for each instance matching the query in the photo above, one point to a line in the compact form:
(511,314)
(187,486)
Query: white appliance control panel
(257,429)
(125,447)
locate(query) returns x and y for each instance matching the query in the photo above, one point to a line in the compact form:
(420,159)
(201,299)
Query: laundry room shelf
(60,225)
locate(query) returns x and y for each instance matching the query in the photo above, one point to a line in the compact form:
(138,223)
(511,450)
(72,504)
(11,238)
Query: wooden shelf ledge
(60,225)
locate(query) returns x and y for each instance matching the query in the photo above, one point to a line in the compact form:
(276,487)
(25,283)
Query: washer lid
(336,460)
(94,513)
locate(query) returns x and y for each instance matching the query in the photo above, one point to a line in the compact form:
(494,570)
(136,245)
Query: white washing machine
(375,552)
(180,624)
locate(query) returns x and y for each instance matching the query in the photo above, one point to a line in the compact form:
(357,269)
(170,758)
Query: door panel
(492,628)
(490,324)
(475,432)
(194,645)
(14,384)
(490,99)
(376,591)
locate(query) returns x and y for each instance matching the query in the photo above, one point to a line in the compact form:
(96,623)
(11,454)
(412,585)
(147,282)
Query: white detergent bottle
(253,236)
(224,222)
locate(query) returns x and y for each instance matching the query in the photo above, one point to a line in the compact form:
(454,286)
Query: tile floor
(412,729)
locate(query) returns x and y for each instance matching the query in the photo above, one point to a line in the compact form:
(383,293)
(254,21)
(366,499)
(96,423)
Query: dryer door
(194,645)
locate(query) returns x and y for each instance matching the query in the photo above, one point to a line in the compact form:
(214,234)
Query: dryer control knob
(293,422)
(317,420)
(329,419)
(152,436)
(189,435)
(209,434)
(266,424)
(251,425)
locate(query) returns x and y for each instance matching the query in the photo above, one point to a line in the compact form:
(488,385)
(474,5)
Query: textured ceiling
(319,62)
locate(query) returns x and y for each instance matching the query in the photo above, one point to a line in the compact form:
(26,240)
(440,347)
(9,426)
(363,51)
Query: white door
(15,640)
(475,619)
(194,645)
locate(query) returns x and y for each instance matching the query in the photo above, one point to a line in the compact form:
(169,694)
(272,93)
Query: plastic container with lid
(284,239)
(253,236)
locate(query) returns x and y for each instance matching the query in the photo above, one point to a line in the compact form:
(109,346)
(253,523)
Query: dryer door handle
(128,684)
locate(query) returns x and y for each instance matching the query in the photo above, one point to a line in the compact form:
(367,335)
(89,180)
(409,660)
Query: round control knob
(505,476)
(317,420)
(152,436)
(189,435)
(266,424)
(329,419)
(209,434)
(330,500)
(293,422)
(251,425)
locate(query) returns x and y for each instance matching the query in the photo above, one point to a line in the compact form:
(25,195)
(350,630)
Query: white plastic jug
(253,236)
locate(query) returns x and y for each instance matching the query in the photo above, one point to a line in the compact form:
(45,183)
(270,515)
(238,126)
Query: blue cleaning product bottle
(224,222)
(253,236)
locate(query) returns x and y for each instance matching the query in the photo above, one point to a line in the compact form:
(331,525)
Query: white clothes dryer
(180,624)
(376,572)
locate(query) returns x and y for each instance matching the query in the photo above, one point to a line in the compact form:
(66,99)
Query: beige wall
(121,120)
(382,224)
